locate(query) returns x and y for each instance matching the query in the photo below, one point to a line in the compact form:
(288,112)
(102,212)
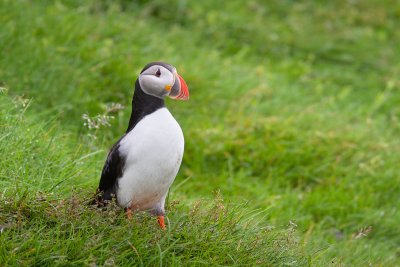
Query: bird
(142,165)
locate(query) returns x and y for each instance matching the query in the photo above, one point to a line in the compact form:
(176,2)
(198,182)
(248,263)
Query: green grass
(292,131)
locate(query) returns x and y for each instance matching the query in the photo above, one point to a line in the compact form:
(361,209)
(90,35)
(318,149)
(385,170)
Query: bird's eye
(158,73)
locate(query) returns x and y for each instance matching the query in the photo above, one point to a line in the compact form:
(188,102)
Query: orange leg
(161,221)
(129,213)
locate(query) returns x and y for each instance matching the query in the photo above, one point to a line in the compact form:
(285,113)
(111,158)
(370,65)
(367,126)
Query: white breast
(153,150)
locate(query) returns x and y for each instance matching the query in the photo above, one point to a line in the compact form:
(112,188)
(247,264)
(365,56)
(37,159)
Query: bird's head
(160,79)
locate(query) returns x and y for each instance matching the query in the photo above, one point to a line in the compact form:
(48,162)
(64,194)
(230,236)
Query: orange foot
(129,213)
(161,221)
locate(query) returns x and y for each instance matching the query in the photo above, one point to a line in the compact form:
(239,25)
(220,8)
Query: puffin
(143,163)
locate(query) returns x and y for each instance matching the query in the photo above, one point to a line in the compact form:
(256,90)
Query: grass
(293,119)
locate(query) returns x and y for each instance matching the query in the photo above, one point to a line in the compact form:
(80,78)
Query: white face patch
(156,81)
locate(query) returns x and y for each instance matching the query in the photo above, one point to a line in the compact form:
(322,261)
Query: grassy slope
(294,108)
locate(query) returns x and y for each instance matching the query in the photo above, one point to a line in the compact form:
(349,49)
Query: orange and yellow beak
(180,89)
(184,92)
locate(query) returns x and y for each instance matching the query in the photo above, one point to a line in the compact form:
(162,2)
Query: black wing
(112,170)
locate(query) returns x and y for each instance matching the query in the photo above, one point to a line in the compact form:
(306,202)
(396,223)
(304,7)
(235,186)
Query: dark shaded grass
(56,232)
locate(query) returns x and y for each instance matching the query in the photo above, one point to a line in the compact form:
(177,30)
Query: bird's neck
(142,105)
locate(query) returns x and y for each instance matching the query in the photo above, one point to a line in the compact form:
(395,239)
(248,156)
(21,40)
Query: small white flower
(3,89)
